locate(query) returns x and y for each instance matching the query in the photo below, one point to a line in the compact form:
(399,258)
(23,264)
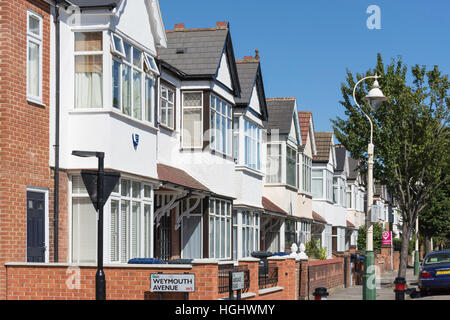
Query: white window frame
(167,88)
(269,146)
(151,63)
(228,233)
(306,174)
(120,57)
(214,131)
(89,53)
(321,178)
(245,229)
(182,119)
(36,39)
(294,159)
(116,195)
(252,139)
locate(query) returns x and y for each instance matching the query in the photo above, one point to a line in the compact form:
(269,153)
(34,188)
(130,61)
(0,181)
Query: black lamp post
(100,281)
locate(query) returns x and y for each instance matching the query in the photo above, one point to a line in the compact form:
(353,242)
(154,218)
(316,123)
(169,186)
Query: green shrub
(313,250)
(377,237)
(397,243)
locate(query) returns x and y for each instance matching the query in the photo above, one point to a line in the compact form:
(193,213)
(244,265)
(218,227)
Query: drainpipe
(57,112)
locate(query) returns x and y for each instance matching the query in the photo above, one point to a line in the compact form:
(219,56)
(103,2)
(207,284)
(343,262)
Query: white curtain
(192,235)
(137,90)
(192,128)
(89,93)
(84,231)
(33,69)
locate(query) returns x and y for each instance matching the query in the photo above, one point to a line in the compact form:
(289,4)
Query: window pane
(126,89)
(192,128)
(136,190)
(137,102)
(124,231)
(116,84)
(148,99)
(84,231)
(88,41)
(118,44)
(126,185)
(34,25)
(137,58)
(223,237)
(211,237)
(127,51)
(217,238)
(135,230)
(114,230)
(88,81)
(147,230)
(192,99)
(33,69)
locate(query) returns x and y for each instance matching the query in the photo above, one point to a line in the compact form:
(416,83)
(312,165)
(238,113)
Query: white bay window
(291,166)
(273,170)
(252,134)
(192,136)
(221,126)
(219,229)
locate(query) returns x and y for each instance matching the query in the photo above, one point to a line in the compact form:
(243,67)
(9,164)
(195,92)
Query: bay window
(236,139)
(252,135)
(329,185)
(250,233)
(335,190)
(273,170)
(306,174)
(291,166)
(305,232)
(34,57)
(130,221)
(133,80)
(219,229)
(88,69)
(221,130)
(167,103)
(192,120)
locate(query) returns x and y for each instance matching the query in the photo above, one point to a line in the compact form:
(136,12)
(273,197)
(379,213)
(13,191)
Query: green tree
(377,237)
(411,135)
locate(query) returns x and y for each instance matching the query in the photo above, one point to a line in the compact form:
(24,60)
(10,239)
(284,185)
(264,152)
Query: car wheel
(424,292)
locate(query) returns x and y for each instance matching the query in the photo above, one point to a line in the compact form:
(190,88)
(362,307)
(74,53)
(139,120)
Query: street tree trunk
(406,233)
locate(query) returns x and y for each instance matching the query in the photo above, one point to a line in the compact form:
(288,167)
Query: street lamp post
(100,281)
(375,97)
(416,250)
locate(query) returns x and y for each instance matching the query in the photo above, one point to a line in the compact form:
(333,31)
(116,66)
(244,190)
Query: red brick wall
(322,273)
(24,128)
(49,283)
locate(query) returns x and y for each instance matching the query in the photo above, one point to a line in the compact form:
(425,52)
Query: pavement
(385,289)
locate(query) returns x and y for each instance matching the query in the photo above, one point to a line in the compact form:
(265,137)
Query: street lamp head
(88,154)
(375,96)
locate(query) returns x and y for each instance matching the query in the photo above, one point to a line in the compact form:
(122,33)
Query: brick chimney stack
(221,25)
(179,27)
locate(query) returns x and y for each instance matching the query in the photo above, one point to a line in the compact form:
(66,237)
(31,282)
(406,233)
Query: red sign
(387,237)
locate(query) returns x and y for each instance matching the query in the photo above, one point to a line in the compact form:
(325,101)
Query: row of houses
(210,167)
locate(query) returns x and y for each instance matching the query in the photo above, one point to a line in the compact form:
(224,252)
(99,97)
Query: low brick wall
(26,281)
(320,273)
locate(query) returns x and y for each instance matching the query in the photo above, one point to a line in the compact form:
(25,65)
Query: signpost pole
(238,295)
(100,281)
(230,284)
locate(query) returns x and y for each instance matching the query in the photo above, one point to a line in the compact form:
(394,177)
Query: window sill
(246,295)
(115,113)
(36,102)
(166,127)
(246,168)
(269,290)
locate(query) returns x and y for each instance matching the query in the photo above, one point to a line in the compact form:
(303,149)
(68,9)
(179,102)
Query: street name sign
(237,280)
(172,282)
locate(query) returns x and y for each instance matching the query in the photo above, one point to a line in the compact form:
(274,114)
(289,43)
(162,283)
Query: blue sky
(306,46)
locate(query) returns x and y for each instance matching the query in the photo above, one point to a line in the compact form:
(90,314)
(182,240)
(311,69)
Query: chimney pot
(221,25)
(179,27)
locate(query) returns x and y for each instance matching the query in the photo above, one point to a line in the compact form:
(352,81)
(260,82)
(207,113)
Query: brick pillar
(252,265)
(303,275)
(349,269)
(206,279)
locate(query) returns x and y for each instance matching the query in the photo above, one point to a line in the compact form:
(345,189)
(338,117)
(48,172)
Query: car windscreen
(437,258)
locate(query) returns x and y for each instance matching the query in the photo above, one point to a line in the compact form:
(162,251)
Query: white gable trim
(224,72)
(254,100)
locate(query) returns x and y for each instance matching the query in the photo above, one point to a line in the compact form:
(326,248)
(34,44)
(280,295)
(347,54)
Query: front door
(35,227)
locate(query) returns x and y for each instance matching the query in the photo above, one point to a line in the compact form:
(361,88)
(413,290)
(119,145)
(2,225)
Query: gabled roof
(324,143)
(280,111)
(271,207)
(305,119)
(249,72)
(350,225)
(178,177)
(197,53)
(341,154)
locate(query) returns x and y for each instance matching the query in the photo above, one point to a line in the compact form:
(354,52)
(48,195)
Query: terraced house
(211,169)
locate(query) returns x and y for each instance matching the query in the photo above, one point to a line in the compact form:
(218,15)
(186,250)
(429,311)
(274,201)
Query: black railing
(224,276)
(268,275)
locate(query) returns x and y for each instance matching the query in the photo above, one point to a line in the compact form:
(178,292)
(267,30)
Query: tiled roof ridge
(179,27)
(250,59)
(281,99)
(304,112)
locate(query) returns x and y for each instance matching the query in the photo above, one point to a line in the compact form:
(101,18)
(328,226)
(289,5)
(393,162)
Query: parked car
(435,272)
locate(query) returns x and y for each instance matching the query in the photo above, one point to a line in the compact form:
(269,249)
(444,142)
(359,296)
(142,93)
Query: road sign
(387,237)
(237,280)
(90,178)
(172,282)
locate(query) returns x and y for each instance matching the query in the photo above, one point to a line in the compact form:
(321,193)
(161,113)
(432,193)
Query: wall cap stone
(269,290)
(249,259)
(205,261)
(278,258)
(105,266)
(245,295)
